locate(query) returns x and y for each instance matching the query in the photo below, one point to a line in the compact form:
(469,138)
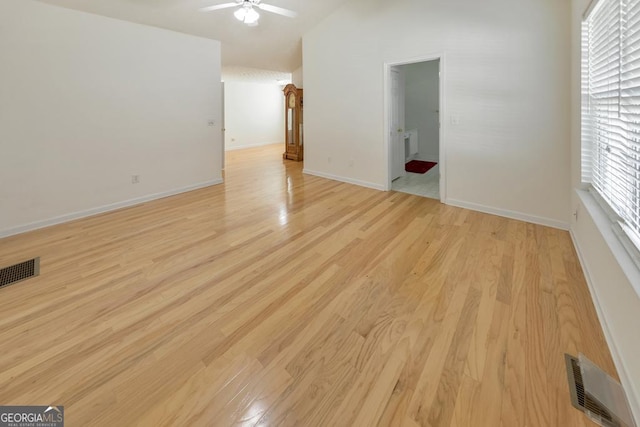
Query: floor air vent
(580,400)
(597,394)
(18,272)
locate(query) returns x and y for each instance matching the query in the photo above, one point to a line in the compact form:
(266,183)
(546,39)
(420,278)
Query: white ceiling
(276,44)
(236,73)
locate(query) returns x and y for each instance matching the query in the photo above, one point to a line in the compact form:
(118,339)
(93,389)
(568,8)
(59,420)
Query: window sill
(606,227)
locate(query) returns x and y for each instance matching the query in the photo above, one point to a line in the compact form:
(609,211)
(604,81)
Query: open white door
(222,128)
(402,82)
(396,127)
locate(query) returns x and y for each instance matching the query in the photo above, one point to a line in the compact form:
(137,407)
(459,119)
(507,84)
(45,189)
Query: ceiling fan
(247,12)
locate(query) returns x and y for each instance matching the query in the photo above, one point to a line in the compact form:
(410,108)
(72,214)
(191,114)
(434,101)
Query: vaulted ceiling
(276,44)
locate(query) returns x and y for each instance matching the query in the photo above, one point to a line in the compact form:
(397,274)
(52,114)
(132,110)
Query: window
(611,109)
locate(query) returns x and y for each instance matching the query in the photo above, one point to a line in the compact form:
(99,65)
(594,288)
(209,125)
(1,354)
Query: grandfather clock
(292,123)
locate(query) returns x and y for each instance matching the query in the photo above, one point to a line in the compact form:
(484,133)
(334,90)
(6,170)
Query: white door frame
(397,145)
(442,106)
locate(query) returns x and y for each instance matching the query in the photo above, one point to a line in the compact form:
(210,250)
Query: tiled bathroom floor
(425,185)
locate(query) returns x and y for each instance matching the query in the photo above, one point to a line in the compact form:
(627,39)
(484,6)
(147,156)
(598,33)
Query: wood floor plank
(537,408)
(467,395)
(488,285)
(513,401)
(449,384)
(377,399)
(487,406)
(279,298)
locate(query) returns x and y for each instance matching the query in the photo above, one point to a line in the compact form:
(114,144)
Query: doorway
(414,108)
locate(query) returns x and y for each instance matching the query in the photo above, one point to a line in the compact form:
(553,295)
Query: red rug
(418,166)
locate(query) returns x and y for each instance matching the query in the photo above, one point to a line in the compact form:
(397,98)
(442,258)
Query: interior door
(397,123)
(223,129)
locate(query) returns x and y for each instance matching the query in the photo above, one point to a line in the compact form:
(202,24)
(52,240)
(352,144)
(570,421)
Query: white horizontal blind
(611,108)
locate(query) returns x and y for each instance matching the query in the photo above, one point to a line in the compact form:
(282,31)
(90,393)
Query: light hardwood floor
(285,299)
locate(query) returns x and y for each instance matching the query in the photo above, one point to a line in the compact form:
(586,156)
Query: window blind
(611,108)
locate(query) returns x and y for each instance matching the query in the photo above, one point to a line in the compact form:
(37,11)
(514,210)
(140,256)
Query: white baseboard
(618,360)
(102,209)
(509,214)
(259,144)
(458,203)
(344,179)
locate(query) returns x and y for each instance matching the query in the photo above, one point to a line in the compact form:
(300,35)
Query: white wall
(254,114)
(297,78)
(600,252)
(506,77)
(86,102)
(421,107)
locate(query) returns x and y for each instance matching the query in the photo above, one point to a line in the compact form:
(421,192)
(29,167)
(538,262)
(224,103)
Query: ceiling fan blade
(218,6)
(278,10)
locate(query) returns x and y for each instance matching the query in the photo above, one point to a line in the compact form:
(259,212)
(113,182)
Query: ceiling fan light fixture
(247,10)
(240,14)
(251,17)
